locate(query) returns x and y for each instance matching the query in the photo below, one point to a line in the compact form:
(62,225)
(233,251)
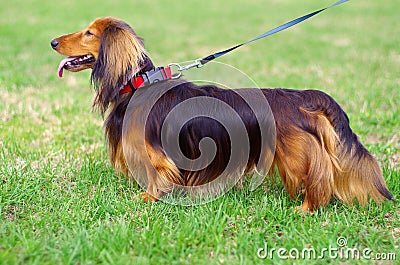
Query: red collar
(150,77)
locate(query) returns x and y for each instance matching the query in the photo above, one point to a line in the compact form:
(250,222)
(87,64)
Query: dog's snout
(54,43)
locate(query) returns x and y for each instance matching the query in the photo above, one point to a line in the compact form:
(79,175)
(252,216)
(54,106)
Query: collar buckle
(150,77)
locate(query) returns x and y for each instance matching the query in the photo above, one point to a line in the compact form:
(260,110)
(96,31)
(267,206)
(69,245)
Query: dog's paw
(302,211)
(148,198)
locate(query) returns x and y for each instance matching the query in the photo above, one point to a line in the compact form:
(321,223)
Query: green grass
(61,202)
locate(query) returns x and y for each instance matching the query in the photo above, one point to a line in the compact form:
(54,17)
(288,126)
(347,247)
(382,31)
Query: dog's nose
(54,43)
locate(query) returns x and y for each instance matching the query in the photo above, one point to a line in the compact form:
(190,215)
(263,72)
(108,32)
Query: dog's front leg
(152,193)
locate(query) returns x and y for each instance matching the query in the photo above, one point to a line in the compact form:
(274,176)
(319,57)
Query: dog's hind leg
(304,164)
(309,159)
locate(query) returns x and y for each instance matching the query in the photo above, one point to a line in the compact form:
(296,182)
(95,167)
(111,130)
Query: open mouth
(75,63)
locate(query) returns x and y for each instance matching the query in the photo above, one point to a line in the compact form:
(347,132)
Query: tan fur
(357,180)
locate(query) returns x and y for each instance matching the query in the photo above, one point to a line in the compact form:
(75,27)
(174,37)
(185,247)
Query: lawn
(62,203)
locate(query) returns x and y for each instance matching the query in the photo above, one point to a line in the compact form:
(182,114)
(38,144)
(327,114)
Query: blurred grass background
(60,201)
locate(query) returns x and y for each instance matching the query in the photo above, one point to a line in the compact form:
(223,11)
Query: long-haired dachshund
(316,151)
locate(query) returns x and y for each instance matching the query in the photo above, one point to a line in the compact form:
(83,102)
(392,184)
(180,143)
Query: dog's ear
(121,55)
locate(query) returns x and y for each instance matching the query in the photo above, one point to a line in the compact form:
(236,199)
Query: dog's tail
(360,173)
(357,174)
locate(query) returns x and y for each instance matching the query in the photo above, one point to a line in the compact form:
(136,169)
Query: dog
(316,151)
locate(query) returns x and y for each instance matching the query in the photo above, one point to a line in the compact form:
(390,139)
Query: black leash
(202,61)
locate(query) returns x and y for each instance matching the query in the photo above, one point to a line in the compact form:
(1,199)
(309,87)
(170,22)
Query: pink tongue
(62,63)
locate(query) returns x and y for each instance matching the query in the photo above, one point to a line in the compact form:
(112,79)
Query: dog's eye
(88,33)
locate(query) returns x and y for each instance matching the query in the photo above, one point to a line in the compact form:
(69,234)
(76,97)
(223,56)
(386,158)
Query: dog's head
(111,48)
(103,36)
